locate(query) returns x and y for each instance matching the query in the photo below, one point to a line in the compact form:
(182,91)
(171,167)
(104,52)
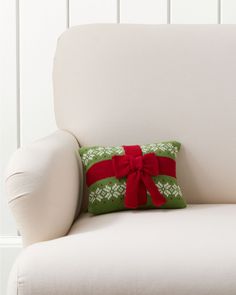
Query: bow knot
(139,170)
(136,163)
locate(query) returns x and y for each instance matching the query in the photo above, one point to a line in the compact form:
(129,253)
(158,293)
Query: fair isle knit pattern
(107,195)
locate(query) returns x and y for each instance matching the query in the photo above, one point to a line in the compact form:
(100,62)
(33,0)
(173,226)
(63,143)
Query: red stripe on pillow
(104,169)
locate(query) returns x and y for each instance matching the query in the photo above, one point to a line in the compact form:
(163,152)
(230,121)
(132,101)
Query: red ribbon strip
(139,170)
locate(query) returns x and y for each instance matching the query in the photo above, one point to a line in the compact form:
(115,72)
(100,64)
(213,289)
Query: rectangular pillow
(132,177)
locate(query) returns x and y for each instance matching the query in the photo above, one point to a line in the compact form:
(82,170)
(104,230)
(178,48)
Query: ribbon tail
(131,194)
(157,198)
(142,194)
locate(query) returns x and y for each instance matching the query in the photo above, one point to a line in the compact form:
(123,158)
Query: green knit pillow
(132,177)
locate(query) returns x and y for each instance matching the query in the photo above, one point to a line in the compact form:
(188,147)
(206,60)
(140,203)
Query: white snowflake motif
(88,156)
(118,150)
(100,152)
(172,149)
(169,190)
(113,150)
(163,147)
(108,151)
(149,148)
(165,189)
(111,191)
(96,195)
(107,192)
(176,191)
(121,189)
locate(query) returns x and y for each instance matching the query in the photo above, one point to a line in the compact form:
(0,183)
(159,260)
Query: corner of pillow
(177,144)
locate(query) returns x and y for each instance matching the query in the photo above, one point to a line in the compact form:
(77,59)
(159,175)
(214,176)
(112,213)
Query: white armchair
(132,84)
(43,188)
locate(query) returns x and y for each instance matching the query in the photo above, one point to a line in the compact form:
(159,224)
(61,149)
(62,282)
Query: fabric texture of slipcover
(167,252)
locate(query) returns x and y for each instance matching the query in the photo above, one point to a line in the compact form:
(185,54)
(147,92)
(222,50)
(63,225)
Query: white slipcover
(168,252)
(133,84)
(42,182)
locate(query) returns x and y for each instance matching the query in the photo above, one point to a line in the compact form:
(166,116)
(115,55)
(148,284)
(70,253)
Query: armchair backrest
(133,84)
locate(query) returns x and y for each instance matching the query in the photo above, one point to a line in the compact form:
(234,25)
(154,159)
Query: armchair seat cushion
(155,252)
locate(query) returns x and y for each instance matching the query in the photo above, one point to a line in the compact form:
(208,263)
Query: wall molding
(219,12)
(118,11)
(168,12)
(10,242)
(67,14)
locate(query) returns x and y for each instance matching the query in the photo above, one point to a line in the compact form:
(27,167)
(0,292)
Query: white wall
(29,30)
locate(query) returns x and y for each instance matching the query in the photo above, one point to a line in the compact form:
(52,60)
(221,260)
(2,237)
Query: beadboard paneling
(143,11)
(92,11)
(26,98)
(228,12)
(41,22)
(194,11)
(8,103)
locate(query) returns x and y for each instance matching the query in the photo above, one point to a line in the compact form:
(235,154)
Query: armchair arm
(42,183)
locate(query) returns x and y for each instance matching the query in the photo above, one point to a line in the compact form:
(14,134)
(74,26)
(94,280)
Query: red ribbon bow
(139,170)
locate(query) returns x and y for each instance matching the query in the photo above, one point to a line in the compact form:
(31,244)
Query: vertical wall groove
(219,12)
(67,14)
(118,11)
(168,12)
(18,105)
